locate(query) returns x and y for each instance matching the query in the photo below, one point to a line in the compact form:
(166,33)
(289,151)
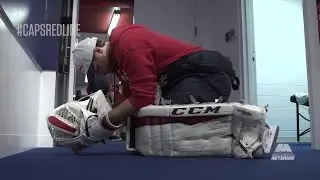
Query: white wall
(280,61)
(175,18)
(27,96)
(46,105)
(19,92)
(313,67)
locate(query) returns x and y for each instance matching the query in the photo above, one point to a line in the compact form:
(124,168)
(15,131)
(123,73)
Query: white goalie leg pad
(255,141)
(248,127)
(178,139)
(248,112)
(249,124)
(79,123)
(253,136)
(248,139)
(187,110)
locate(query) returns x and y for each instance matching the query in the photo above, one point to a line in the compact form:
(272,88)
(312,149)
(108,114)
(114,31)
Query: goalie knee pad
(79,123)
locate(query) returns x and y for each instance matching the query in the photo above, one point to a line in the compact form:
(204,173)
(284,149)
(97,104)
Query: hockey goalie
(169,92)
(199,129)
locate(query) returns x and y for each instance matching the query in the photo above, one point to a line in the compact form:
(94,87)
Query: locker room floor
(111,161)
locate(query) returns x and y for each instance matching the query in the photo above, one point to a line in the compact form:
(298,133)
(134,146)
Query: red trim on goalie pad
(56,122)
(152,121)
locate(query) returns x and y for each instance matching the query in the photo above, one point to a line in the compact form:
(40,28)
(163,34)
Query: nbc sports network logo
(283,152)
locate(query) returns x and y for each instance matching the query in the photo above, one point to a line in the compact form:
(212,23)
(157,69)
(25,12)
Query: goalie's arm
(140,68)
(120,114)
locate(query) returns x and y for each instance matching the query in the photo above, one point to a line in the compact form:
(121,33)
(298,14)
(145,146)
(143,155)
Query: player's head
(91,51)
(78,93)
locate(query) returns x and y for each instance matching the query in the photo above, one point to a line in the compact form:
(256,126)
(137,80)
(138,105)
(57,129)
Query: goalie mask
(78,124)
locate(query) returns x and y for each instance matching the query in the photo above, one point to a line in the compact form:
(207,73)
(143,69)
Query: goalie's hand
(78,124)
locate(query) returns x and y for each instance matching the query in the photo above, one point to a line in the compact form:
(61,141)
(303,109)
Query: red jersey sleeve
(139,65)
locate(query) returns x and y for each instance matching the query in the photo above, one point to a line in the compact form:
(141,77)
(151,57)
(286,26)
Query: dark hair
(99,43)
(95,83)
(78,92)
(91,71)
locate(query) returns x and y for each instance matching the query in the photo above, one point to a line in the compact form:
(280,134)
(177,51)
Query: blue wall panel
(45,49)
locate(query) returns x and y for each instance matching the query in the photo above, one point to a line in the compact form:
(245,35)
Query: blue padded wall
(45,49)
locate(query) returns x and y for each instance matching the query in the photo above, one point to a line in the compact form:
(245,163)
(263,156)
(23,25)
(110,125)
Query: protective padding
(66,125)
(177,139)
(228,129)
(79,123)
(242,111)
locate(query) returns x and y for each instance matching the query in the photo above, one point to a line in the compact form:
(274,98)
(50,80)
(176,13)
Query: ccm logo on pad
(195,110)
